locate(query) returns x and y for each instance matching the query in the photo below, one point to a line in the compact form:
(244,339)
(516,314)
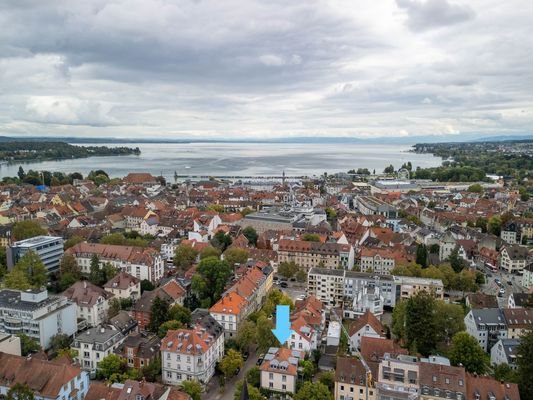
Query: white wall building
(36,314)
(486,325)
(192,354)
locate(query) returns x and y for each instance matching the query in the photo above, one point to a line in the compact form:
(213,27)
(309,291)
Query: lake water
(242,159)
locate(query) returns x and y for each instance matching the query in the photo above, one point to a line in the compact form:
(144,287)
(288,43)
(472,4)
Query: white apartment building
(95,344)
(279,369)
(92,302)
(486,325)
(142,263)
(192,354)
(36,314)
(504,352)
(124,286)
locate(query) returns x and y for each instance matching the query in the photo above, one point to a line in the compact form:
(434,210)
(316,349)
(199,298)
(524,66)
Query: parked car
(245,355)
(502,291)
(284,284)
(510,283)
(259,361)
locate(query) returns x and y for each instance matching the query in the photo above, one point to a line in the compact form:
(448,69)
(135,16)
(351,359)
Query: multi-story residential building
(229,312)
(380,261)
(364,290)
(447,245)
(518,300)
(142,263)
(504,352)
(139,350)
(124,286)
(279,370)
(514,258)
(94,344)
(486,325)
(327,285)
(307,323)
(309,254)
(92,302)
(49,380)
(398,378)
(370,205)
(480,387)
(351,380)
(172,292)
(518,321)
(48,248)
(192,354)
(438,381)
(36,314)
(409,286)
(365,325)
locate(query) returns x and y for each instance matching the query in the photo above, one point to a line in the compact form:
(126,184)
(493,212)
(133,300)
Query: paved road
(227,392)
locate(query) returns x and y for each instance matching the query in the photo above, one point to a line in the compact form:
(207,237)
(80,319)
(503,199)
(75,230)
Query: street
(227,392)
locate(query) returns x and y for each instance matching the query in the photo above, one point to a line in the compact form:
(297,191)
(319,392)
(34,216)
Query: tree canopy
(313,391)
(29,272)
(27,229)
(210,280)
(466,350)
(184,256)
(251,235)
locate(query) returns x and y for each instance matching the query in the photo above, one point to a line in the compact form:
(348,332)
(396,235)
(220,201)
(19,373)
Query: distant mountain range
(405,140)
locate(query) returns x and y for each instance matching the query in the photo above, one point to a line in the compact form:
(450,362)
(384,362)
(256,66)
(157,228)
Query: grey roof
(510,347)
(488,316)
(11,299)
(98,334)
(202,317)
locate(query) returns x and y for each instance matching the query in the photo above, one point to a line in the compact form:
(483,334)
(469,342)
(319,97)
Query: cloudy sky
(272,68)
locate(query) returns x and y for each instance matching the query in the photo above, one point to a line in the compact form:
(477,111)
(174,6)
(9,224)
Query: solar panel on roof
(295,353)
(273,350)
(269,357)
(293,361)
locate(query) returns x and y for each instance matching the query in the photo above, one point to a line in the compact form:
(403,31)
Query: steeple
(244,391)
(283,178)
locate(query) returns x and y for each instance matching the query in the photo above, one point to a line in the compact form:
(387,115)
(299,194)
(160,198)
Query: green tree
(235,255)
(311,237)
(28,344)
(210,280)
(179,313)
(218,208)
(288,269)
(328,379)
(494,225)
(32,268)
(420,327)
(60,342)
(110,365)
(20,391)
(193,389)
(17,279)
(27,229)
(389,169)
(153,370)
(171,325)
(301,276)
(253,392)
(264,337)
(246,334)
(73,241)
(94,271)
(158,313)
(330,213)
(466,350)
(253,376)
(422,255)
(184,256)
(313,391)
(21,174)
(221,240)
(398,319)
(146,285)
(210,251)
(456,261)
(504,373)
(251,235)
(524,362)
(69,265)
(231,363)
(475,188)
(308,369)
(449,320)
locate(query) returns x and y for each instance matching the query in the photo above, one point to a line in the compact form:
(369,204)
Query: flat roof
(37,240)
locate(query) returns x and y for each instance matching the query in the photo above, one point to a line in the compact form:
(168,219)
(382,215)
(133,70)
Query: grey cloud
(428,14)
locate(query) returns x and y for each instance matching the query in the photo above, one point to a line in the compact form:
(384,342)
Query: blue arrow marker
(283,326)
